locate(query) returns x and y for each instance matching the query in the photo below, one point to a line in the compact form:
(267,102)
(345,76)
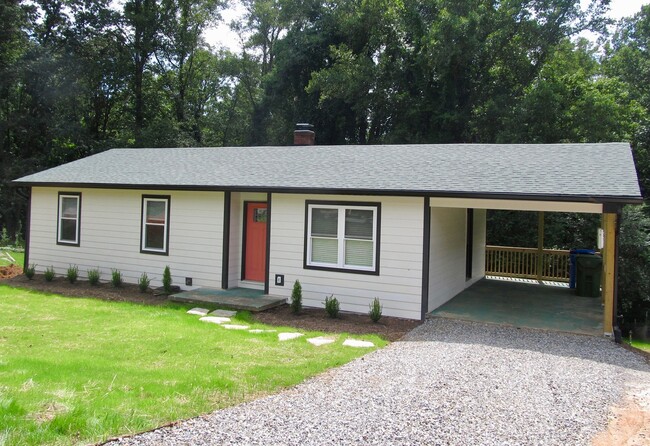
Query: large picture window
(69,218)
(155,224)
(342,236)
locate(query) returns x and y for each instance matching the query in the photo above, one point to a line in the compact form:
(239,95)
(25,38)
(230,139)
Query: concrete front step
(236,299)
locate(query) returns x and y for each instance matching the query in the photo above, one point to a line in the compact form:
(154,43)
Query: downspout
(616,329)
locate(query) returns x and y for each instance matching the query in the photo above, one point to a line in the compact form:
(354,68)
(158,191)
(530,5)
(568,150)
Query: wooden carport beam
(609,271)
(540,245)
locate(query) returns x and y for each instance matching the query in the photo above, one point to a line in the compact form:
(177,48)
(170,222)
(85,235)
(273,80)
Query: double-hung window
(343,236)
(69,218)
(155,225)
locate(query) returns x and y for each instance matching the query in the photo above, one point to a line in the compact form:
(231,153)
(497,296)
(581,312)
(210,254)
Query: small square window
(259,215)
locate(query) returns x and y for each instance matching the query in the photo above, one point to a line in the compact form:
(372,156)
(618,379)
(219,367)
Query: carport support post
(609,271)
(540,245)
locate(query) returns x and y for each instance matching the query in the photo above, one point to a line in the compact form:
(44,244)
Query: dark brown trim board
(469,244)
(58,218)
(426,253)
(615,201)
(28,225)
(242,274)
(169,208)
(268,243)
(376,205)
(225,249)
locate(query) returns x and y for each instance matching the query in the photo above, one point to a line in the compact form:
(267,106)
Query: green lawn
(641,345)
(19,257)
(81,370)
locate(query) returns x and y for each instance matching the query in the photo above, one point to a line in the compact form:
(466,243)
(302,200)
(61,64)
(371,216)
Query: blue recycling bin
(572,264)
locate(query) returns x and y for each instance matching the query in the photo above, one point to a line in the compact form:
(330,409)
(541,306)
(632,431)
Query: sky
(223,36)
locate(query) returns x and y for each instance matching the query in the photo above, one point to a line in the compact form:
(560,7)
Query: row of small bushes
(332,305)
(94,275)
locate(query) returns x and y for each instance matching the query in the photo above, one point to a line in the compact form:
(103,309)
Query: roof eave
(617,199)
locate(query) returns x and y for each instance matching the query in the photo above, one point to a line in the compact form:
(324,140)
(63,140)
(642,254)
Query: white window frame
(144,224)
(61,218)
(340,236)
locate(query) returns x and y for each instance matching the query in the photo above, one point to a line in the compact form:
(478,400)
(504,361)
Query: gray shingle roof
(581,171)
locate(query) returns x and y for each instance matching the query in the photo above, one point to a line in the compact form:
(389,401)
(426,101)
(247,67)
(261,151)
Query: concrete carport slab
(527,305)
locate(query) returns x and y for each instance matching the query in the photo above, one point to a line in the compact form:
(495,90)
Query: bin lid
(589,260)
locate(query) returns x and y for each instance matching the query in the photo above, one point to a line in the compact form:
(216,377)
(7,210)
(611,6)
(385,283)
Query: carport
(526,303)
(516,302)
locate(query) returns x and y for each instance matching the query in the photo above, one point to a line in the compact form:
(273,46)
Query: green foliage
(30,271)
(634,268)
(167,280)
(375,310)
(332,306)
(143,283)
(94,276)
(296,298)
(4,238)
(49,273)
(116,278)
(72,274)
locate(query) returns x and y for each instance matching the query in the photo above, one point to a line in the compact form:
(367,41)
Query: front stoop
(229,299)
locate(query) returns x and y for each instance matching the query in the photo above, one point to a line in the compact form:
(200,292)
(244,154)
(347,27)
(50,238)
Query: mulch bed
(7,272)
(314,319)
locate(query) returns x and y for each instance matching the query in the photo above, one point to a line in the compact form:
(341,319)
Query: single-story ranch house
(403,223)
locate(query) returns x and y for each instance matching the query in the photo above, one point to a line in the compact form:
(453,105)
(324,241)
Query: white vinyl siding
(342,236)
(448,250)
(111,231)
(155,224)
(69,219)
(398,284)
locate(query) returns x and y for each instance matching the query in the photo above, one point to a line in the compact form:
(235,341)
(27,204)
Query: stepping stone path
(198,311)
(223,313)
(288,336)
(220,317)
(215,319)
(357,343)
(321,340)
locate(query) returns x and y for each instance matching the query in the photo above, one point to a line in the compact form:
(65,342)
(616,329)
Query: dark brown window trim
(376,205)
(58,219)
(167,224)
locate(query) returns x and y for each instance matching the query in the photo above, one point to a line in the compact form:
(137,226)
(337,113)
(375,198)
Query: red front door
(255,242)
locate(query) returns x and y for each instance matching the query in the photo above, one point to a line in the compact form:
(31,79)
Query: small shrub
(332,306)
(375,310)
(49,273)
(30,271)
(73,273)
(167,280)
(93,276)
(144,282)
(116,278)
(296,298)
(5,241)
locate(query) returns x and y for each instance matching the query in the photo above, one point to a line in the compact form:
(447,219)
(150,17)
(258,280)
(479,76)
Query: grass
(641,345)
(78,370)
(18,256)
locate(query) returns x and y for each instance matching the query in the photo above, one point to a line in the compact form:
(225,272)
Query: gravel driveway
(447,383)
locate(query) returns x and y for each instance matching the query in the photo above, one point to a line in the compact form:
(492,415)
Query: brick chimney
(304,135)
